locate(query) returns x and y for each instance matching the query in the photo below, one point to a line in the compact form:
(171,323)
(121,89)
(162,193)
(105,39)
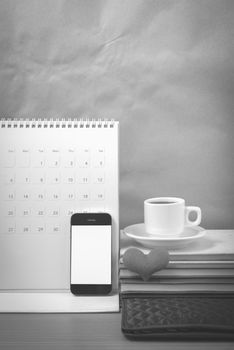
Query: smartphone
(91,254)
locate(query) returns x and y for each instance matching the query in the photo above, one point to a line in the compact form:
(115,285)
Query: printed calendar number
(99,158)
(54,196)
(38,195)
(8,226)
(68,160)
(38,158)
(84,158)
(53,228)
(53,212)
(9,212)
(9,196)
(10,179)
(38,228)
(23,228)
(69,195)
(25,212)
(54,158)
(83,196)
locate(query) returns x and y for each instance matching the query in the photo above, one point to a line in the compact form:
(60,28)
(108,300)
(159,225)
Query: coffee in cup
(168,215)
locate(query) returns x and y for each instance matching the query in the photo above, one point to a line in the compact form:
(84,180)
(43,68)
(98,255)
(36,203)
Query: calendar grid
(51,168)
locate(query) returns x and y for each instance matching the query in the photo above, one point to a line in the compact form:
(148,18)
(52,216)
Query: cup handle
(196,222)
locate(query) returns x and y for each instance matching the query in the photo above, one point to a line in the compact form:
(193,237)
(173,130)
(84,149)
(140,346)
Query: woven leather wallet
(196,316)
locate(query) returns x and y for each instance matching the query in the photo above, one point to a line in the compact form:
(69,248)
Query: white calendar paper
(50,169)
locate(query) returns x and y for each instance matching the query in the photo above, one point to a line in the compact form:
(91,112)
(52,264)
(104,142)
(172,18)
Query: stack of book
(206,265)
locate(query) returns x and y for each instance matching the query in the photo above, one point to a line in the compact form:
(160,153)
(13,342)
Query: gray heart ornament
(145,264)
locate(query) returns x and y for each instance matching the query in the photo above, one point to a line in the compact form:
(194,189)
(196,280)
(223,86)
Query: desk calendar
(49,170)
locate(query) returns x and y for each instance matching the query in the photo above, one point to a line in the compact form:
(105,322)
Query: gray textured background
(164,69)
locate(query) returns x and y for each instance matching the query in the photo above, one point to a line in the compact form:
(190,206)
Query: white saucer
(189,234)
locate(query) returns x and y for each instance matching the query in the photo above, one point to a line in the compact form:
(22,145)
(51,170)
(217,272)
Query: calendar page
(50,169)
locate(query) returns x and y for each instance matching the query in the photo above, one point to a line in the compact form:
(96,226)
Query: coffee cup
(168,216)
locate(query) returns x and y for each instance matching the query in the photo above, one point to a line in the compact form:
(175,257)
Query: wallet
(197,316)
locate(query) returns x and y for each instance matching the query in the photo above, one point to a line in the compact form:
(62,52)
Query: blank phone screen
(91,254)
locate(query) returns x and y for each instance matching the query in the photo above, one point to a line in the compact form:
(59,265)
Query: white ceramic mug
(168,215)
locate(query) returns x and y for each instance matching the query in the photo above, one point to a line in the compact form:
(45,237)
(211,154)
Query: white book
(223,288)
(195,264)
(177,273)
(187,280)
(214,245)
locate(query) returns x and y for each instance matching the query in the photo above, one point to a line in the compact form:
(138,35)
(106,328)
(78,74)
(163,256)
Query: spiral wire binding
(55,123)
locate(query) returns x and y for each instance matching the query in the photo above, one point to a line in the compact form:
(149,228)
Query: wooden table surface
(80,331)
